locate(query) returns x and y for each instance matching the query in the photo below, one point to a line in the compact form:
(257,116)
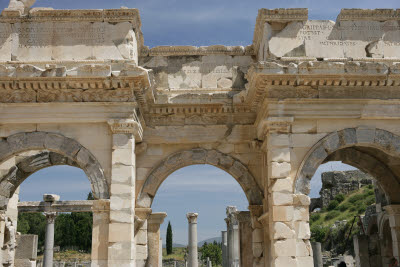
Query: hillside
(343,208)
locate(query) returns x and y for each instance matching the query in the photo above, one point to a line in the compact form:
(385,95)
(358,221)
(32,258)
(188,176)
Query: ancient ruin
(80,88)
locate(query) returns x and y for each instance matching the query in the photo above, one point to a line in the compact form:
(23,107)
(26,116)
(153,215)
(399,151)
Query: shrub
(333,204)
(339,198)
(332,214)
(370,200)
(318,233)
(344,207)
(362,209)
(370,186)
(356,198)
(314,217)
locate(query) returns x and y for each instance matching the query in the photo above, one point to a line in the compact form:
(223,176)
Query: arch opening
(23,154)
(185,158)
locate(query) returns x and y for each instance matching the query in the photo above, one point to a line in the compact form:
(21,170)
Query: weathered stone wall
(341,182)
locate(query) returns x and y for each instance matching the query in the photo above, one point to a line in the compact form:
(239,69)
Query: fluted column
(192,257)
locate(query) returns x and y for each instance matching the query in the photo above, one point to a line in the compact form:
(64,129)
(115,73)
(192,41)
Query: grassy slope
(177,254)
(353,204)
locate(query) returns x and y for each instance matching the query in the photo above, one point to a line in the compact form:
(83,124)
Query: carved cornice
(322,80)
(369,14)
(157,218)
(127,126)
(197,51)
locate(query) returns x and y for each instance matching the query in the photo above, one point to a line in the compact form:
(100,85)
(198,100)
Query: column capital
(192,217)
(157,218)
(51,198)
(127,126)
(231,215)
(274,125)
(243,216)
(50,217)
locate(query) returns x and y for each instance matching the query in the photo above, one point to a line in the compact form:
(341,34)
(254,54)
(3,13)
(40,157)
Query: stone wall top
(45,34)
(197,51)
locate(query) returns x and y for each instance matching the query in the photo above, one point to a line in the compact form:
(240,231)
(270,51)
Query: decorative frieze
(127,126)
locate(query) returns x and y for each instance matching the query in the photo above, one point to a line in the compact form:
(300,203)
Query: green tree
(169,239)
(212,251)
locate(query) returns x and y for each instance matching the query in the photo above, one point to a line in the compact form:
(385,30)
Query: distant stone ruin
(339,182)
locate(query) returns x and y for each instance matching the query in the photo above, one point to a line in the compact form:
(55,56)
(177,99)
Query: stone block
(306,126)
(121,189)
(306,261)
(282,213)
(123,156)
(283,261)
(282,231)
(121,216)
(281,199)
(276,140)
(303,248)
(26,247)
(123,141)
(279,154)
(301,214)
(141,237)
(280,170)
(122,174)
(258,235)
(120,254)
(120,232)
(286,247)
(226,148)
(141,251)
(120,202)
(301,200)
(303,230)
(258,249)
(365,135)
(282,185)
(305,140)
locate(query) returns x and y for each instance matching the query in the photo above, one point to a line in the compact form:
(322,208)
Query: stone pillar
(394,221)
(258,235)
(160,257)
(153,237)
(233,236)
(121,236)
(49,199)
(287,213)
(101,219)
(49,240)
(360,250)
(141,218)
(245,238)
(192,241)
(224,248)
(317,254)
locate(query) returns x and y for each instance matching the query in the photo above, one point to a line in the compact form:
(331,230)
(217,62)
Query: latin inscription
(346,34)
(43,35)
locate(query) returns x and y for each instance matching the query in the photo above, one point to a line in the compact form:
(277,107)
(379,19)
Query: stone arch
(185,158)
(53,149)
(372,150)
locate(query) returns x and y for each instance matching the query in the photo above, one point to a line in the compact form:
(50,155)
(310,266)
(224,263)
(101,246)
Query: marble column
(153,239)
(101,219)
(224,248)
(233,236)
(49,240)
(49,199)
(317,254)
(121,231)
(245,238)
(192,243)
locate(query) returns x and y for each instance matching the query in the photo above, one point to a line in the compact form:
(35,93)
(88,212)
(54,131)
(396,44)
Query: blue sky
(202,189)
(227,22)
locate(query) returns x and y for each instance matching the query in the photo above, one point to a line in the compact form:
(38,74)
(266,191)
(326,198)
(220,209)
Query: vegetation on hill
(342,208)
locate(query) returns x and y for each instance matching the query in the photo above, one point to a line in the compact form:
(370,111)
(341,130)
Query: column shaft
(192,258)
(49,240)
(224,248)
